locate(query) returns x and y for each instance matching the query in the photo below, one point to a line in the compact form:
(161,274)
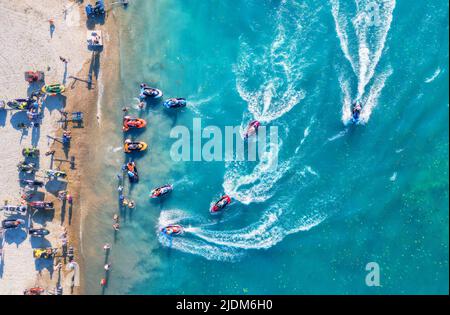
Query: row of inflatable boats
(135,123)
(148,92)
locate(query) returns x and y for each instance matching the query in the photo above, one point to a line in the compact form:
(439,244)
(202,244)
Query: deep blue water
(337,198)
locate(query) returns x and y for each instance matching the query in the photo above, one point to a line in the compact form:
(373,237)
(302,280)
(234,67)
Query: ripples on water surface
(339,196)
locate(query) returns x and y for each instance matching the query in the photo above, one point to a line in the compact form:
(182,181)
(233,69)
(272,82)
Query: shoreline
(90,103)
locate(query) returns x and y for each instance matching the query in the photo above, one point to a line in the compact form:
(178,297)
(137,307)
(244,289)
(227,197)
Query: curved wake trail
(269,80)
(256,186)
(274,225)
(436,73)
(262,235)
(362,40)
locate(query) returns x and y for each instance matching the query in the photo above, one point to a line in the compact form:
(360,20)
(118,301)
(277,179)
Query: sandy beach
(31,44)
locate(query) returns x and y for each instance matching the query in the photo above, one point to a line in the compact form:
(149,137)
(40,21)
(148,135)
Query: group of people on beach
(34,106)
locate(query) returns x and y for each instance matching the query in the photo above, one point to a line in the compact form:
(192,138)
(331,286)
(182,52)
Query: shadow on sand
(41,264)
(92,21)
(15,236)
(3,115)
(94,68)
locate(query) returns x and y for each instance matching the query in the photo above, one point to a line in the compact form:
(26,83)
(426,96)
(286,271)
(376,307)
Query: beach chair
(77,117)
(95,10)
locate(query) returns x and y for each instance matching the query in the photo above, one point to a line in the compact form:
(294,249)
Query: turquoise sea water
(339,197)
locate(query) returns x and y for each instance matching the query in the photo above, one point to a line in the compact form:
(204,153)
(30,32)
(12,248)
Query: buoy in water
(103,282)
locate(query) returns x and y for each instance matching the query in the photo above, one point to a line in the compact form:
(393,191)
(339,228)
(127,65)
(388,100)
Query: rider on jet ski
(175,103)
(356,111)
(252,128)
(161,191)
(147,91)
(174,229)
(221,204)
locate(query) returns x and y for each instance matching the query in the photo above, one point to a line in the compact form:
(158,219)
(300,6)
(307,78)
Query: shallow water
(339,197)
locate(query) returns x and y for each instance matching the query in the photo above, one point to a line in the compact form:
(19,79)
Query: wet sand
(87,95)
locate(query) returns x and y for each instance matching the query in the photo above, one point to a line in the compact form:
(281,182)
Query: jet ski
(172,230)
(41,205)
(44,253)
(38,232)
(34,291)
(132,172)
(149,92)
(12,223)
(252,128)
(356,112)
(96,10)
(175,103)
(134,146)
(55,174)
(21,104)
(221,204)
(133,123)
(32,182)
(30,152)
(26,167)
(161,191)
(22,209)
(53,89)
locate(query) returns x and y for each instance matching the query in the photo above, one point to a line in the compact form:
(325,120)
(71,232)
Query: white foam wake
(262,235)
(370,27)
(362,39)
(370,99)
(436,73)
(275,224)
(256,186)
(268,80)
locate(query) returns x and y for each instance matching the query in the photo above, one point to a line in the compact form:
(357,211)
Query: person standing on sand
(63,59)
(52,27)
(62,195)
